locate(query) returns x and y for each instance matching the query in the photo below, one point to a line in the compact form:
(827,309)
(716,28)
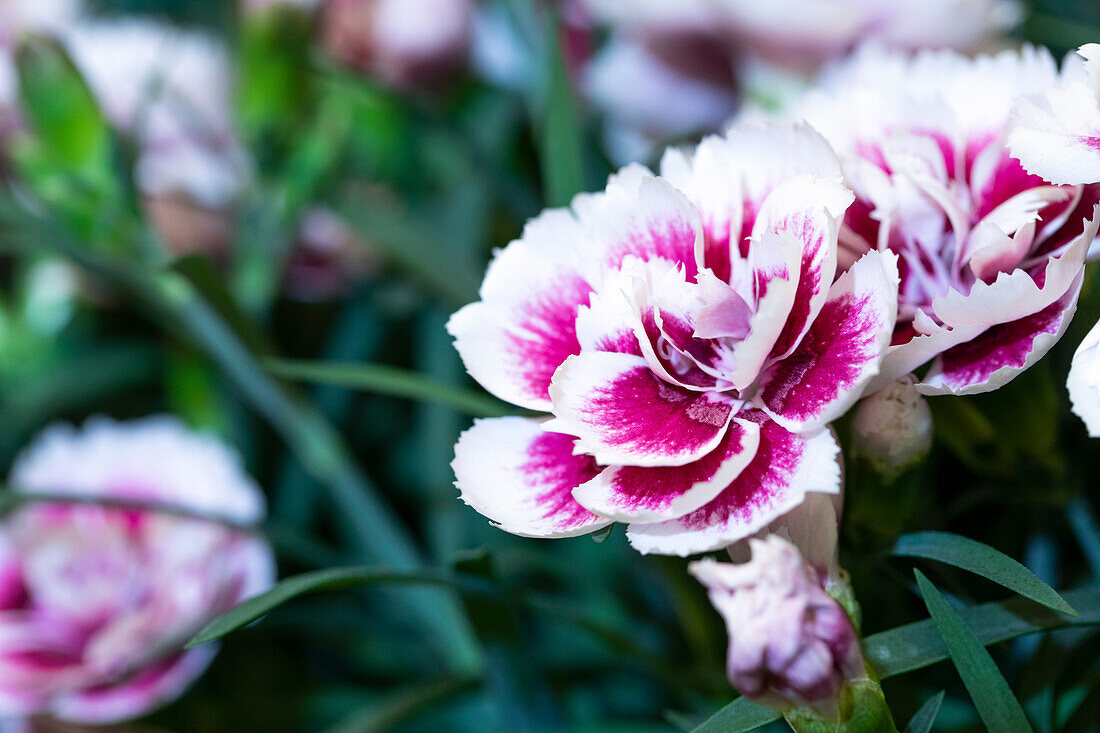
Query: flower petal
(1084,382)
(840,353)
(1057,135)
(629,493)
(785,468)
(1001,352)
(622,413)
(776,261)
(524,326)
(522,478)
(647,220)
(809,210)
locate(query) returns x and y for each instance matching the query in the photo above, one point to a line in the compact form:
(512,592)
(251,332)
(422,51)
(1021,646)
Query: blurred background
(207,194)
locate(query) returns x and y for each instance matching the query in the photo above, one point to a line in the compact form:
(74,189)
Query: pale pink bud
(97,601)
(893,426)
(402,43)
(791,644)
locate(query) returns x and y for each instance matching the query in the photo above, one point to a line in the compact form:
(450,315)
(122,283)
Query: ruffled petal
(1084,382)
(522,478)
(623,414)
(628,493)
(840,353)
(785,468)
(524,327)
(1057,135)
(994,358)
(808,210)
(1012,297)
(647,220)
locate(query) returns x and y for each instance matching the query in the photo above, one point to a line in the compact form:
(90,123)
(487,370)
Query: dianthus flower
(686,335)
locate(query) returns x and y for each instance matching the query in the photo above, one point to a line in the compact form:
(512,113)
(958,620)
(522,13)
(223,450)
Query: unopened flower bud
(790,643)
(894,425)
(402,43)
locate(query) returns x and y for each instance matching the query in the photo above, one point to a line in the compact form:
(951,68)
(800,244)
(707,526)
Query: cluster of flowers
(131,538)
(691,333)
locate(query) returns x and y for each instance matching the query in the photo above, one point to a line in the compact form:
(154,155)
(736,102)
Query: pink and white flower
(791,644)
(97,600)
(991,257)
(686,335)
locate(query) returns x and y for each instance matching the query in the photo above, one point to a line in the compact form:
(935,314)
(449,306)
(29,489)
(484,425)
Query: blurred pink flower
(991,257)
(791,644)
(670,70)
(97,601)
(687,335)
(403,43)
(807,33)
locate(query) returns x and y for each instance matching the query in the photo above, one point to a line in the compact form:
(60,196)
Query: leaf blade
(924,718)
(304,584)
(740,716)
(562,163)
(983,560)
(996,704)
(390,381)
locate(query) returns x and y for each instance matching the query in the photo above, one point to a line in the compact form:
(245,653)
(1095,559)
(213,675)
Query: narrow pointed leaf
(997,706)
(982,560)
(299,585)
(739,716)
(391,381)
(924,718)
(562,168)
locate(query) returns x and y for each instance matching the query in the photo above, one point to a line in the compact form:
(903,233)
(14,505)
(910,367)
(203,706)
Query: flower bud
(402,43)
(790,643)
(894,426)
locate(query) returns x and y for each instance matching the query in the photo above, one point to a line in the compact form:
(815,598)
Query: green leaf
(391,381)
(991,694)
(924,718)
(982,560)
(739,716)
(299,585)
(562,164)
(917,645)
(60,106)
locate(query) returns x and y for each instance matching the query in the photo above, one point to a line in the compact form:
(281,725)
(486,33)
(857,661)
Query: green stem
(387,380)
